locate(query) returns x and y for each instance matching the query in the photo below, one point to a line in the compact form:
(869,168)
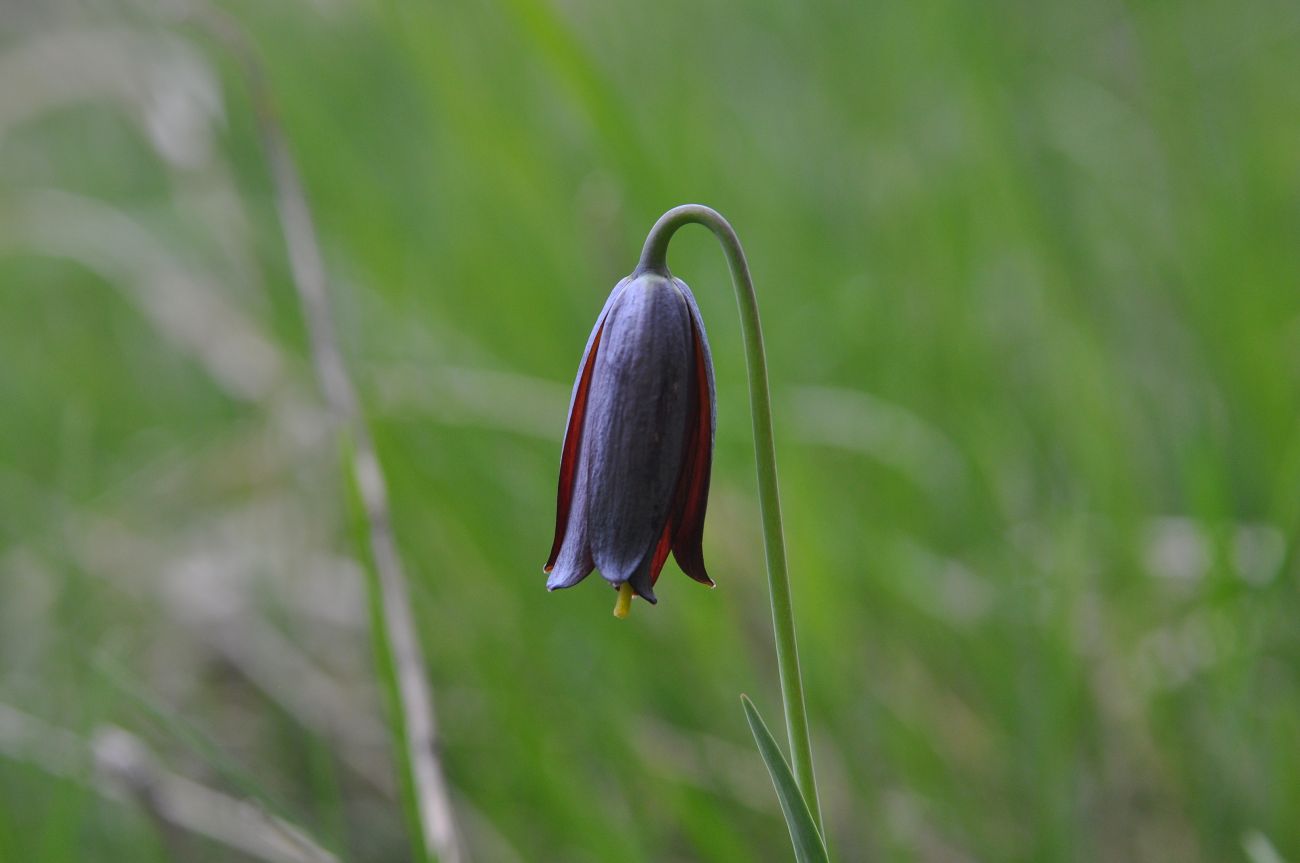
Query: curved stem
(654,258)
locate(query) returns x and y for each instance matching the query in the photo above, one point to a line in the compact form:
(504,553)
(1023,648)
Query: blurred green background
(1031,289)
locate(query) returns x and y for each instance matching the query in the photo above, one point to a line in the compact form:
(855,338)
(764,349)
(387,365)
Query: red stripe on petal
(569,457)
(661,552)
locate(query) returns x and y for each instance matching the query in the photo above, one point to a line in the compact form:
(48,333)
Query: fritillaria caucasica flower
(634,472)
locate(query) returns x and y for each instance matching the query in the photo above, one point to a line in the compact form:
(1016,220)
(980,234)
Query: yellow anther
(624,602)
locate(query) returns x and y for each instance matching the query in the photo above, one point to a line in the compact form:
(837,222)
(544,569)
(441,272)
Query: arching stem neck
(654,258)
(654,254)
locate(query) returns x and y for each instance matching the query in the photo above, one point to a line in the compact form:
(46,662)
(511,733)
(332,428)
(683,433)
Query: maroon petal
(693,496)
(662,548)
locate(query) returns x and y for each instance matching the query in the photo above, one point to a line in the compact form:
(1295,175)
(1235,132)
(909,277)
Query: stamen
(624,603)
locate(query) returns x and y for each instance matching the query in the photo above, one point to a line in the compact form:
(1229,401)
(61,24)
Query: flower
(638,448)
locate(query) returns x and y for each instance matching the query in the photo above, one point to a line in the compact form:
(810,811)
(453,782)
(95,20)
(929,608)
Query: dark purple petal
(693,493)
(570,495)
(648,573)
(570,455)
(635,433)
(573,562)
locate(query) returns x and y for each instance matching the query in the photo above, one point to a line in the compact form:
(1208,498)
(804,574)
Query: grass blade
(402,668)
(808,844)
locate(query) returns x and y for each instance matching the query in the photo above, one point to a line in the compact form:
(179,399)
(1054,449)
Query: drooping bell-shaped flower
(634,472)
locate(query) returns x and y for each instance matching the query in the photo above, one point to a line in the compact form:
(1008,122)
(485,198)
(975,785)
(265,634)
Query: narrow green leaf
(808,844)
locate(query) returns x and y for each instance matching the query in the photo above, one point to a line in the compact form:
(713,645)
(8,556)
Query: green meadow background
(1030,277)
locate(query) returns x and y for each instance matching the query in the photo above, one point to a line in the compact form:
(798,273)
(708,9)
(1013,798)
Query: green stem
(654,258)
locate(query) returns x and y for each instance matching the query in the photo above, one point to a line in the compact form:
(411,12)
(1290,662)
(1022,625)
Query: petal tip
(641,587)
(562,578)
